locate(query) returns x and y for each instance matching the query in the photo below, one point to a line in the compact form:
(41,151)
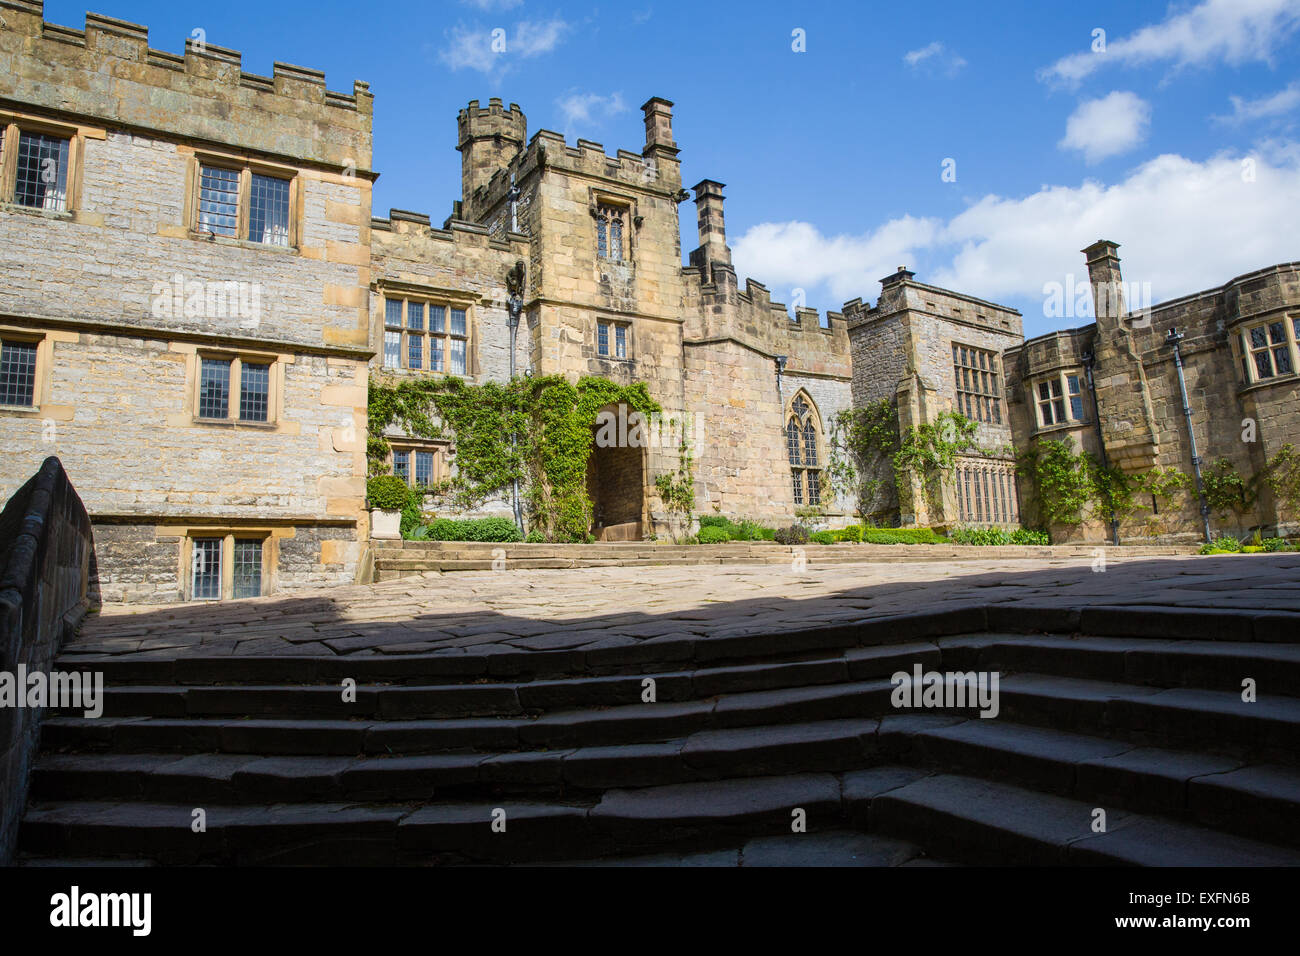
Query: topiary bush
(388,493)
(793,534)
(477,529)
(822,537)
(712,534)
(901,536)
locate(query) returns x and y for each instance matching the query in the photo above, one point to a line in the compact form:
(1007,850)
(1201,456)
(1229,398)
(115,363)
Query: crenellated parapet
(108,71)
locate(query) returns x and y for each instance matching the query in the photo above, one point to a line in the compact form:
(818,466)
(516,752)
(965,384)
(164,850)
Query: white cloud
(587,109)
(488,51)
(1108,126)
(1266,107)
(1229,31)
(1184,225)
(934,55)
(490,5)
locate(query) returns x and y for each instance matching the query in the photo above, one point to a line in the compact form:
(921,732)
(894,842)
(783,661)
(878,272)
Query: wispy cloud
(491,49)
(588,109)
(1108,126)
(1227,31)
(1277,104)
(488,6)
(934,56)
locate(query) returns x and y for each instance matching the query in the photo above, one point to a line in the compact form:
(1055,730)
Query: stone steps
(747,728)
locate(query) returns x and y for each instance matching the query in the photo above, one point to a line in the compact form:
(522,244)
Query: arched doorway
(616,479)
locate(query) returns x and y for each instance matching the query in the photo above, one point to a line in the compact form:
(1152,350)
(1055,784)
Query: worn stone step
(201,779)
(981,821)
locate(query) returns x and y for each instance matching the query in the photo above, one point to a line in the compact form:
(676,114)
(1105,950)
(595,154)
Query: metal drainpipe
(1088,360)
(1173,339)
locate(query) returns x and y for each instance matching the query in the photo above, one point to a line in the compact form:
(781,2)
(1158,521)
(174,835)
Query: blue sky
(1179,140)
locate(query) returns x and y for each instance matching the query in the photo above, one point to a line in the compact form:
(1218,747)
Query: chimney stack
(713,229)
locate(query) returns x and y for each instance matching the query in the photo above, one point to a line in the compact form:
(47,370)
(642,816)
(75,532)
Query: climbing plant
(677,488)
(1227,491)
(927,452)
(861,449)
(1282,475)
(1062,478)
(534,430)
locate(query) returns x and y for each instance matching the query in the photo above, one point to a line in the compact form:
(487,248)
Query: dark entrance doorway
(616,484)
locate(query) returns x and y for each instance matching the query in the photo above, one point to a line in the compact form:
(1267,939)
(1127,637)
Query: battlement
(417,224)
(548,148)
(109,70)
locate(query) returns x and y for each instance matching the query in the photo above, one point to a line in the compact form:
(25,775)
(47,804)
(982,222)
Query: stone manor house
(197,292)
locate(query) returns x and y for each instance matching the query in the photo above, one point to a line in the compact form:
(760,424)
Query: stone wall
(124,294)
(46,547)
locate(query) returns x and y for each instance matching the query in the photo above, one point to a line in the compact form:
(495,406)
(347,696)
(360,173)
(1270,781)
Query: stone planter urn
(385,524)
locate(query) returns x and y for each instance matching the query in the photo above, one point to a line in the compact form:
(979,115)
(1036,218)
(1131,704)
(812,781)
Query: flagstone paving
(470,612)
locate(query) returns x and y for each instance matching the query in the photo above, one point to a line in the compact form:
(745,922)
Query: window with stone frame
(978,392)
(227,565)
(422,335)
(419,465)
(18,361)
(234,200)
(611,232)
(1058,398)
(612,338)
(235,388)
(1269,349)
(39,174)
(803,444)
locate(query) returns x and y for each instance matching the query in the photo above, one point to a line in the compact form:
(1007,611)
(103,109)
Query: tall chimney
(712,225)
(1106,281)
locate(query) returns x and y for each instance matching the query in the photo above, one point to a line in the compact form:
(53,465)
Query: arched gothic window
(802,436)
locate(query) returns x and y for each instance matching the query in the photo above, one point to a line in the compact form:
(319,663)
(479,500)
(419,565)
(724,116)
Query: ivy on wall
(538,431)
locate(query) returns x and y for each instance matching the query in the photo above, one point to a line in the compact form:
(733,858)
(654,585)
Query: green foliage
(793,534)
(743,530)
(1282,474)
(822,537)
(713,535)
(677,488)
(714,521)
(1226,491)
(388,493)
(852,534)
(997,536)
(1064,480)
(901,536)
(1275,544)
(537,431)
(860,453)
(927,452)
(475,529)
(536,536)
(412,515)
(1224,544)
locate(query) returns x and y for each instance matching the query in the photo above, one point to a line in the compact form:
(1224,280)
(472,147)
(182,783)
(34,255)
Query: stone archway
(616,486)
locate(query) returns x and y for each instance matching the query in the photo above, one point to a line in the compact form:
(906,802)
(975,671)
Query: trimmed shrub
(1029,536)
(822,537)
(851,534)
(794,534)
(767,534)
(478,529)
(714,521)
(536,536)
(901,536)
(711,534)
(388,493)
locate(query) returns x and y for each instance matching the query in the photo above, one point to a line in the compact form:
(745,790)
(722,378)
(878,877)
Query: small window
(402,465)
(219,201)
(17,373)
(237,203)
(221,378)
(976,375)
(268,211)
(207,569)
(416,466)
(423,468)
(610,228)
(1266,350)
(1059,399)
(612,339)
(248,567)
(42,180)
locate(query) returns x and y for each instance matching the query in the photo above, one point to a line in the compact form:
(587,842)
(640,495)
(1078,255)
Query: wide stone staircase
(397,559)
(561,756)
